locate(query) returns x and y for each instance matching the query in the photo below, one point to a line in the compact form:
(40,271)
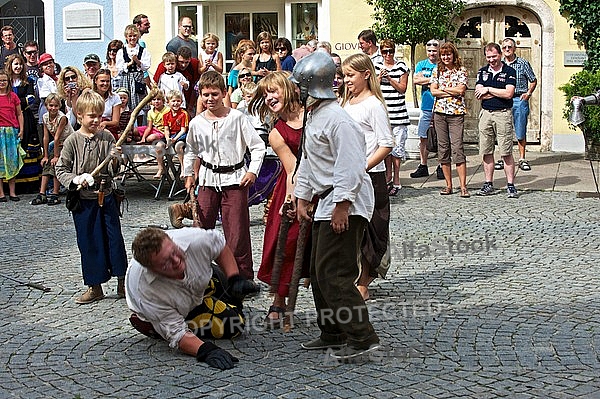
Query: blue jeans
(520,112)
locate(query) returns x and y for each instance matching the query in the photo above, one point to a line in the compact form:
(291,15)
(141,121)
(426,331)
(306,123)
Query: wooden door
(480,26)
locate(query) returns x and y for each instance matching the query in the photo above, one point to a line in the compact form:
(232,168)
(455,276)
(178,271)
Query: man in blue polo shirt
(495,88)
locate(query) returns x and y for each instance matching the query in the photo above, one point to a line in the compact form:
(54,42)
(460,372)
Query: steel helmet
(314,75)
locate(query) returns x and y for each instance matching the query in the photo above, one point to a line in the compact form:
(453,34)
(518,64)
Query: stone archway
(546,79)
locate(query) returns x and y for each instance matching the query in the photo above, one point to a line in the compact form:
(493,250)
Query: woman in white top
(112,102)
(364,101)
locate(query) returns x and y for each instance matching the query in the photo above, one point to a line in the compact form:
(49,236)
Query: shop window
(515,27)
(470,29)
(304,23)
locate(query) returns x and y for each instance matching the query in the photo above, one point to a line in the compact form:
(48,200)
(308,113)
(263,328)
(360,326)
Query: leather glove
(84,177)
(239,287)
(216,357)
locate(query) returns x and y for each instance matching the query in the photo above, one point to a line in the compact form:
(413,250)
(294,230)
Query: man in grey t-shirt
(183,38)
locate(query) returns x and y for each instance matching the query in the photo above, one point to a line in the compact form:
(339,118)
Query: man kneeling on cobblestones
(173,293)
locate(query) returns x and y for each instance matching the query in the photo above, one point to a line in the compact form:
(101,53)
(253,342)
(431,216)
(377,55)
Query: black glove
(239,287)
(216,357)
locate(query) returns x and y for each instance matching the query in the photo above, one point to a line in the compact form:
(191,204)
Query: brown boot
(121,287)
(178,212)
(94,293)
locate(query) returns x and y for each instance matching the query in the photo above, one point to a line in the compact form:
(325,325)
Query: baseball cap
(91,58)
(45,58)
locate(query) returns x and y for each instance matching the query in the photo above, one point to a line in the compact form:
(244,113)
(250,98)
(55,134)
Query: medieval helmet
(314,75)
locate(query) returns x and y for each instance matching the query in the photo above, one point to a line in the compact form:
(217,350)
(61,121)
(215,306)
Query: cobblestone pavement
(486,297)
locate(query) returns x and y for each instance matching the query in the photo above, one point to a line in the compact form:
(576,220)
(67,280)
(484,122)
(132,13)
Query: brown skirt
(375,255)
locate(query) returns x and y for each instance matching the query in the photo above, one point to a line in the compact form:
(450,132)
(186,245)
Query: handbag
(73,201)
(432,142)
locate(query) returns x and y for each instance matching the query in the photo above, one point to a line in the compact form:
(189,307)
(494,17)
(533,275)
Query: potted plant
(583,84)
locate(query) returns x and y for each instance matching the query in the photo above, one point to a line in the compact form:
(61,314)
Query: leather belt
(222,169)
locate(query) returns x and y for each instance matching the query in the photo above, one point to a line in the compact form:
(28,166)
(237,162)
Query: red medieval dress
(291,137)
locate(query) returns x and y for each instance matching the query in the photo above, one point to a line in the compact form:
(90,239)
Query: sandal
(53,200)
(392,192)
(499,165)
(272,324)
(464,193)
(40,199)
(524,165)
(446,191)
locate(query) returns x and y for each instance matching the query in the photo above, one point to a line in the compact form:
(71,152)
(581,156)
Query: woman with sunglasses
(393,78)
(283,48)
(70,84)
(112,102)
(111,62)
(244,76)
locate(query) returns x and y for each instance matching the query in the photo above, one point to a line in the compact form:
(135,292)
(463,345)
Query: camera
(72,85)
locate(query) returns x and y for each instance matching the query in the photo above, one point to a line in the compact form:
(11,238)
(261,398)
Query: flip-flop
(446,191)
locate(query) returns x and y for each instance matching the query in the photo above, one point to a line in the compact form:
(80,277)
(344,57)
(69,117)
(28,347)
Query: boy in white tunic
(219,137)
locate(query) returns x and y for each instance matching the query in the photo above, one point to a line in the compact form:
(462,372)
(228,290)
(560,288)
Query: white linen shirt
(334,155)
(165,302)
(173,82)
(372,117)
(222,142)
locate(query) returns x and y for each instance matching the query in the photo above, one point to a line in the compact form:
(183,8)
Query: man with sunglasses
(183,38)
(422,76)
(526,84)
(31,54)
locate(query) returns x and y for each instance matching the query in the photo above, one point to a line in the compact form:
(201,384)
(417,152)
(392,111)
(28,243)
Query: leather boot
(178,212)
(93,293)
(121,287)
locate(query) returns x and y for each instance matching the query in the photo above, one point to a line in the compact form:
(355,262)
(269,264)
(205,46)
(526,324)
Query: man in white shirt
(166,281)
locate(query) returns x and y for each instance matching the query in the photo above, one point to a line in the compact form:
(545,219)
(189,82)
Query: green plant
(583,84)
(414,22)
(584,17)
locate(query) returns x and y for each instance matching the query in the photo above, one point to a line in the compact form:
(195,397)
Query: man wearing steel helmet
(333,166)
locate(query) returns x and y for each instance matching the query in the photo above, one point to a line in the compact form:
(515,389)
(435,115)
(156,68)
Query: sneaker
(439,173)
(93,293)
(318,343)
(512,191)
(487,189)
(349,352)
(421,171)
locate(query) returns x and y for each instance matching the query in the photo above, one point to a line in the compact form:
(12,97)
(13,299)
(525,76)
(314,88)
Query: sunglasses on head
(387,51)
(245,75)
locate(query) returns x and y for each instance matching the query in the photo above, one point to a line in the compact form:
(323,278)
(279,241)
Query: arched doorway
(27,19)
(479,26)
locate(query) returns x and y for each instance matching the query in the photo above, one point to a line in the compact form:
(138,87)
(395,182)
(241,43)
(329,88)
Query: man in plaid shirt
(526,83)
